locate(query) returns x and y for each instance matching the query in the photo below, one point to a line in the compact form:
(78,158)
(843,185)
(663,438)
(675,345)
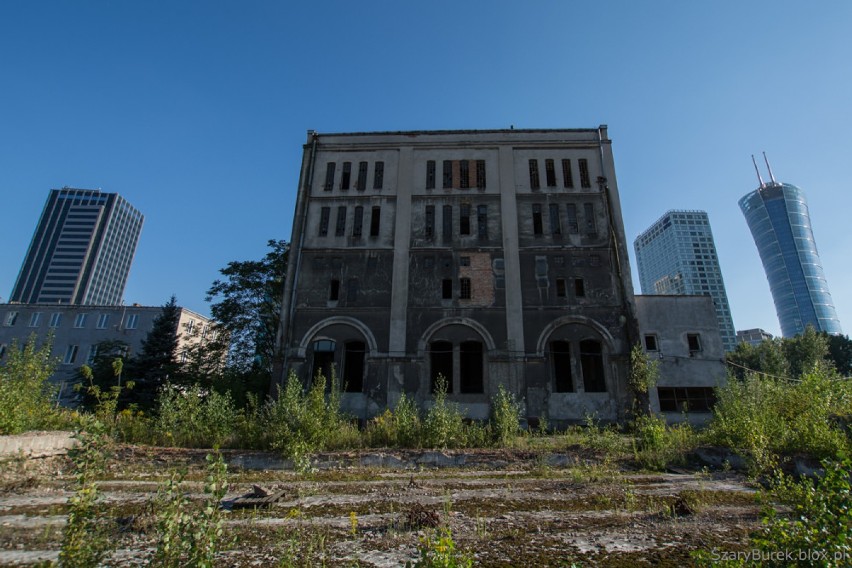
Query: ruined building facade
(490,257)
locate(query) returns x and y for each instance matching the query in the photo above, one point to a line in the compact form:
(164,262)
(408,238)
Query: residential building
(677,255)
(752,336)
(81,250)
(682,334)
(76,332)
(488,257)
(777,215)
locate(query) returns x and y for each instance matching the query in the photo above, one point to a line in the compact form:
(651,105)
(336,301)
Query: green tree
(840,351)
(103,371)
(644,373)
(805,352)
(247,303)
(766,357)
(25,394)
(157,363)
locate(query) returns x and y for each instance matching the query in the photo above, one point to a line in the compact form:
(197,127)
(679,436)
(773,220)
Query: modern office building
(677,255)
(81,251)
(777,215)
(488,257)
(754,336)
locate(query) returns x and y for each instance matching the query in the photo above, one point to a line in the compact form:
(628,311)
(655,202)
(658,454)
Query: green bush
(444,425)
(400,428)
(505,417)
(658,445)
(190,417)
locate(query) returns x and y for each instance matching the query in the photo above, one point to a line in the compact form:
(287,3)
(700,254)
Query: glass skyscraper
(777,214)
(677,255)
(81,251)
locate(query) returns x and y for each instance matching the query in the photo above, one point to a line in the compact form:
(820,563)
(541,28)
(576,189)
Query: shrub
(658,445)
(505,417)
(25,394)
(398,428)
(443,426)
(438,550)
(190,417)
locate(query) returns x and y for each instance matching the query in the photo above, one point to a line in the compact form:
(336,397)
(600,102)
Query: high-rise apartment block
(777,215)
(677,255)
(488,258)
(81,250)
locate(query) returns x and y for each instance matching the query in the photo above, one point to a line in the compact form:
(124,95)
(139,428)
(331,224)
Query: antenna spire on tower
(768,167)
(757,171)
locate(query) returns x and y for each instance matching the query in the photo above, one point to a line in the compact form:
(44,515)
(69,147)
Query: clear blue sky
(195,112)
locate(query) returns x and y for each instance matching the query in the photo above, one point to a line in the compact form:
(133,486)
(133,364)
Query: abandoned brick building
(491,257)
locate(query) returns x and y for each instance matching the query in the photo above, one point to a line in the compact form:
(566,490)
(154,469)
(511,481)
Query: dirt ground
(505,508)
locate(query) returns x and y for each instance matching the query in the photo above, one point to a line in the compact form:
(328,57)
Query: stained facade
(484,257)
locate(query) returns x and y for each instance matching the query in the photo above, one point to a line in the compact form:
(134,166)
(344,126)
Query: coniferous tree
(157,363)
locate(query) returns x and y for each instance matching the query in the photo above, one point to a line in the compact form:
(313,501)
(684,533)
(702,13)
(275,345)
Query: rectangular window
(11,318)
(448,174)
(334,291)
(482,221)
(70,355)
(358,224)
(686,399)
(441,361)
(579,288)
(430,222)
(584,173)
(694,342)
(362,176)
(550,173)
(591,362)
(430,174)
(379,175)
(573,225)
(560,288)
(347,173)
(535,183)
(464,219)
(93,352)
(329,176)
(132,321)
(447,289)
(464,261)
(375,221)
(103,321)
(35,319)
(589,214)
(536,215)
(567,176)
(650,342)
(353,365)
(464,174)
(80,320)
(447,225)
(340,228)
(464,288)
(325,213)
(470,367)
(55,319)
(561,354)
(555,224)
(480,174)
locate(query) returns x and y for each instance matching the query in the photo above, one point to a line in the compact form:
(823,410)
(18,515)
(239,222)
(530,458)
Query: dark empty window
(567,177)
(650,343)
(362,176)
(480,174)
(447,228)
(482,221)
(591,360)
(550,173)
(352,290)
(686,399)
(430,174)
(347,173)
(329,176)
(694,342)
(573,225)
(334,291)
(340,228)
(353,366)
(464,288)
(589,214)
(447,289)
(561,291)
(464,219)
(375,221)
(470,367)
(560,352)
(325,213)
(358,225)
(464,174)
(584,173)
(430,221)
(535,183)
(323,359)
(579,288)
(379,175)
(441,359)
(448,174)
(464,261)
(536,213)
(555,224)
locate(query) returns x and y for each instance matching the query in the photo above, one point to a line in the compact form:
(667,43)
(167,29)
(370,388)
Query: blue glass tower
(777,214)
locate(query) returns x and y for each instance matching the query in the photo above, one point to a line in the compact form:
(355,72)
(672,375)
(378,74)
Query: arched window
(470,367)
(353,366)
(323,359)
(591,360)
(560,354)
(441,359)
